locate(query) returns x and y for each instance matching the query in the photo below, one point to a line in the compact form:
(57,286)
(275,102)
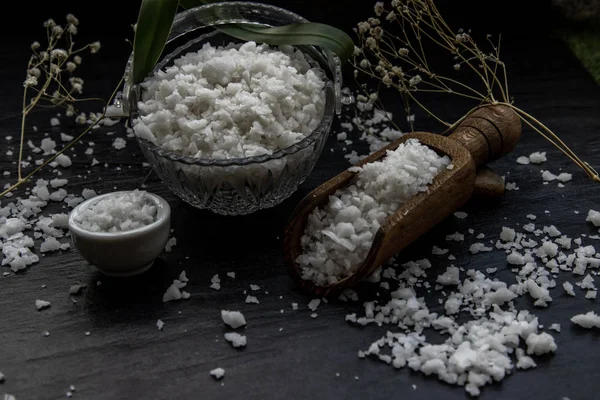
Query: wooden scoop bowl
(485,135)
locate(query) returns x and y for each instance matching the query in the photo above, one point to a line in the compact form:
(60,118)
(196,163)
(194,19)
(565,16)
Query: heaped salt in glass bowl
(200,160)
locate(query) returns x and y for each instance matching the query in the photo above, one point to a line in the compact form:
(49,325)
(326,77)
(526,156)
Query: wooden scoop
(485,135)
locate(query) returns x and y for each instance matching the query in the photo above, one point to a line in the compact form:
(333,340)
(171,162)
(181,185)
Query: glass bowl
(237,186)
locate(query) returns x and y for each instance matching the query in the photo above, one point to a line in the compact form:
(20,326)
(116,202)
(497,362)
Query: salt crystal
(170,244)
(252,300)
(314,304)
(587,320)
(160,325)
(234,319)
(217,373)
(235,339)
(460,215)
(119,143)
(593,217)
(537,157)
(523,160)
(41,304)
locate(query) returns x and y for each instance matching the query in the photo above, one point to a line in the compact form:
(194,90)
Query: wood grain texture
(126,357)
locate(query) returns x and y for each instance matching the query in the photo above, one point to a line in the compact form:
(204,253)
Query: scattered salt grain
(591,294)
(461,214)
(555,327)
(41,304)
(537,157)
(170,243)
(252,300)
(523,160)
(587,320)
(119,143)
(160,325)
(54,122)
(234,319)
(65,138)
(568,287)
(235,339)
(76,288)
(314,304)
(593,217)
(457,237)
(254,287)
(217,373)
(438,251)
(511,186)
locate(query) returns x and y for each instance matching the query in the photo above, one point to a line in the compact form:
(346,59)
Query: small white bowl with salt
(121,233)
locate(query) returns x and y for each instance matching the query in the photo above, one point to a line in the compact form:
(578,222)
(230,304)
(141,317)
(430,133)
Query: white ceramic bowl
(125,253)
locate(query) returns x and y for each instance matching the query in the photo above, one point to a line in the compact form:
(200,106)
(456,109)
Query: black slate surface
(289,354)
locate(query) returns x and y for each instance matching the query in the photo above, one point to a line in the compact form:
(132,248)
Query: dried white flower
(357,51)
(70,110)
(30,81)
(54,69)
(376,32)
(395,3)
(364,63)
(35,72)
(77,60)
(371,43)
(71,19)
(58,54)
(57,30)
(35,45)
(363,27)
(72,29)
(403,51)
(456,67)
(81,119)
(71,66)
(49,23)
(379,8)
(415,80)
(386,80)
(94,47)
(391,16)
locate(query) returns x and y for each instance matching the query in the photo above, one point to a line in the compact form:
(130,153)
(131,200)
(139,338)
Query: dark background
(126,357)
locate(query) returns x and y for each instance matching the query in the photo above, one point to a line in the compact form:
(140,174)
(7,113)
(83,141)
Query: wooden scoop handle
(489,133)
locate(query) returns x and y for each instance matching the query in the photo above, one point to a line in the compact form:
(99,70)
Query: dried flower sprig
(45,85)
(392,50)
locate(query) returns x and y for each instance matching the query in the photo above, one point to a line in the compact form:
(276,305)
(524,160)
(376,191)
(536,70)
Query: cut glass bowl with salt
(236,186)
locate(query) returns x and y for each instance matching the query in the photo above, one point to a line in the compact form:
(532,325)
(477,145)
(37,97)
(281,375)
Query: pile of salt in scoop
(232,102)
(118,213)
(338,236)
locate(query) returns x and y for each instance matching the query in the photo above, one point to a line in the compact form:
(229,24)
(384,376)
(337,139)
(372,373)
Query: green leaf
(310,33)
(153,26)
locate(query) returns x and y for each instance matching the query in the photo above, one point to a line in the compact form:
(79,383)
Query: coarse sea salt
(232,102)
(217,373)
(339,235)
(235,339)
(118,213)
(234,319)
